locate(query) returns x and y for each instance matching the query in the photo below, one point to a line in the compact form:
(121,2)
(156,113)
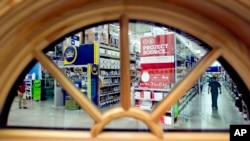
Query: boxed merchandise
(97,34)
(166,120)
(137,95)
(157,96)
(70,103)
(146,95)
(114,40)
(147,103)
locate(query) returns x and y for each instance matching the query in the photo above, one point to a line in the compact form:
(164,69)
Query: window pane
(165,55)
(160,57)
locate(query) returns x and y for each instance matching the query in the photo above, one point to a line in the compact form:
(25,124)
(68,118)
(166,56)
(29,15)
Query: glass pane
(160,57)
(44,102)
(165,55)
(215,107)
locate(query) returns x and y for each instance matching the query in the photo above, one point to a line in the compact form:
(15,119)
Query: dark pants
(214,100)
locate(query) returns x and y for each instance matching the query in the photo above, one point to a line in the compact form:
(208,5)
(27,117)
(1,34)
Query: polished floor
(198,114)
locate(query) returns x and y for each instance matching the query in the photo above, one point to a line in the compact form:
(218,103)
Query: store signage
(157,61)
(214,69)
(70,54)
(75,40)
(94,69)
(162,45)
(157,78)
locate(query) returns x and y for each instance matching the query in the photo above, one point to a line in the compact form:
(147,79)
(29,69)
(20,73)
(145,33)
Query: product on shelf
(162,64)
(109,62)
(97,34)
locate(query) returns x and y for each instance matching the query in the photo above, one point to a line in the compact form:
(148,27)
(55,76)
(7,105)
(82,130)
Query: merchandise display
(164,61)
(235,94)
(97,34)
(109,61)
(157,63)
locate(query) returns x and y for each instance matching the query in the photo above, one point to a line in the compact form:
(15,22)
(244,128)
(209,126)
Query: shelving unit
(133,69)
(109,62)
(236,95)
(78,74)
(109,93)
(147,98)
(187,97)
(28,90)
(185,60)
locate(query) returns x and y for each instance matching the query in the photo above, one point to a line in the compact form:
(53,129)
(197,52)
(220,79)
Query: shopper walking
(214,87)
(22,96)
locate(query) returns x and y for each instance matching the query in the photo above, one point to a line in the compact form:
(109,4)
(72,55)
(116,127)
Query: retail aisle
(197,115)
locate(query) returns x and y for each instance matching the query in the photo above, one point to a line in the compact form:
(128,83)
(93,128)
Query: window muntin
(88,122)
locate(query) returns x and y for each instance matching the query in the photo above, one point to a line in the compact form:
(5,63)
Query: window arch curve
(48,29)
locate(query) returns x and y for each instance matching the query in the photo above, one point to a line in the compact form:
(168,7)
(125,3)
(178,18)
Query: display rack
(236,96)
(109,58)
(148,98)
(28,89)
(78,74)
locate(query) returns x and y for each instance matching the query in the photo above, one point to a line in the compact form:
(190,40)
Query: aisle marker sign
(75,40)
(239,132)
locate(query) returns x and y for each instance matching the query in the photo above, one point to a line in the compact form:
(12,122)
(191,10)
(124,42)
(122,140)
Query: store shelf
(108,47)
(109,101)
(111,85)
(186,99)
(146,108)
(115,76)
(132,59)
(150,89)
(147,98)
(179,56)
(107,107)
(109,56)
(111,93)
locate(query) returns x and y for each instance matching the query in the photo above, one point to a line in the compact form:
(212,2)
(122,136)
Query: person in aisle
(22,96)
(214,87)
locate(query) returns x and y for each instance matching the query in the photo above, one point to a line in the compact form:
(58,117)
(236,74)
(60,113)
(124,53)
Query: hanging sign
(157,61)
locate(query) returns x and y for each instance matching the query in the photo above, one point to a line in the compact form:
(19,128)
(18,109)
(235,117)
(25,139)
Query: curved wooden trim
(116,113)
(51,135)
(6,5)
(194,29)
(216,32)
(68,86)
(236,6)
(185,84)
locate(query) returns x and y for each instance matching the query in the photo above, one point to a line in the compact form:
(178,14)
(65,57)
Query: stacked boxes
(71,104)
(97,34)
(114,33)
(106,34)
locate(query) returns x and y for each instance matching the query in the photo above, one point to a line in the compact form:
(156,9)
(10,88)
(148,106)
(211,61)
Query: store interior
(160,57)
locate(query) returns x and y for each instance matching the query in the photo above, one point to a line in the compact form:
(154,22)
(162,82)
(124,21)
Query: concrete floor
(197,115)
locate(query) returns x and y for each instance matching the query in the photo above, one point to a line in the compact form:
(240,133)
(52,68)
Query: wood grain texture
(185,84)
(24,30)
(125,63)
(66,83)
(135,113)
(28,135)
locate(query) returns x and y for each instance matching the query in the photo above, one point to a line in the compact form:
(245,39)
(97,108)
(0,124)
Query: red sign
(156,78)
(161,45)
(157,61)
